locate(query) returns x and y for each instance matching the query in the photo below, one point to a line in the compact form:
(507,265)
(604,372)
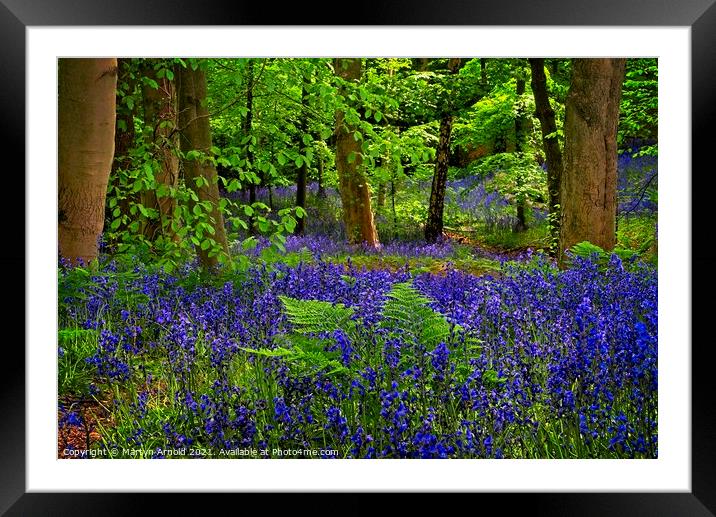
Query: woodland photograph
(333,258)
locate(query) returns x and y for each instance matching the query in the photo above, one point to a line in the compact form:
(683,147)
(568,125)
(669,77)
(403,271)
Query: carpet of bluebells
(536,362)
(539,363)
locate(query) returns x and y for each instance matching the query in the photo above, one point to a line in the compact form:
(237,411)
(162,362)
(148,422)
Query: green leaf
(299,161)
(281,159)
(270,352)
(280,246)
(163,190)
(233,186)
(250,243)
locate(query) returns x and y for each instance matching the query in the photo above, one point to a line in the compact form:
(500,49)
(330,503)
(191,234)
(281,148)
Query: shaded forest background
(171,158)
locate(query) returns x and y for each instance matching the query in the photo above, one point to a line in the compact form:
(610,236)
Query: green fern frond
(315,316)
(408,310)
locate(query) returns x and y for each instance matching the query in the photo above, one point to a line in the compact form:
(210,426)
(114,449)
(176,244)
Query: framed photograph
(676,477)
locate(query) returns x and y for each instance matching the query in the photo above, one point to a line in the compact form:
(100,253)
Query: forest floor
(151,359)
(95,416)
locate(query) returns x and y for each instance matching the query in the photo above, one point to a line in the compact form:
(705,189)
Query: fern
(406,312)
(586,249)
(409,311)
(315,316)
(307,354)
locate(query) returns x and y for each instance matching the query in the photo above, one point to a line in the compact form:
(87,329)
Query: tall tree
(353,182)
(86,125)
(550,142)
(483,73)
(302,175)
(248,122)
(434,224)
(200,174)
(521,128)
(589,185)
(160,119)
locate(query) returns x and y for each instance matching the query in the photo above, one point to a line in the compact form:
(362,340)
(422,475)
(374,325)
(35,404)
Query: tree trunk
(520,145)
(160,114)
(248,122)
(86,120)
(303,170)
(589,186)
(321,188)
(196,135)
(434,224)
(381,194)
(353,183)
(550,142)
(392,201)
(123,140)
(483,73)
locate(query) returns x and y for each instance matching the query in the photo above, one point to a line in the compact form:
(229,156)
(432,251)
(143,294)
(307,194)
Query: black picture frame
(700,15)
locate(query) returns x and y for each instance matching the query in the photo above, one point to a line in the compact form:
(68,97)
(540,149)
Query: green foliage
(537,236)
(489,124)
(314,316)
(516,176)
(312,321)
(640,102)
(136,228)
(586,249)
(409,311)
(74,373)
(77,283)
(491,379)
(639,233)
(315,324)
(306,356)
(395,108)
